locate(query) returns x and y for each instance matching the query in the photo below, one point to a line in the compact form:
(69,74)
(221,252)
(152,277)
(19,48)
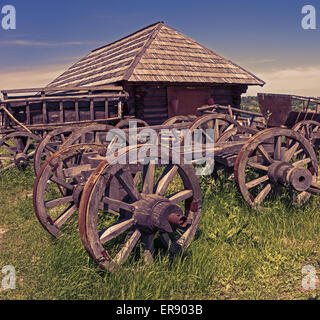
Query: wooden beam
(91,110)
(67,88)
(61,111)
(76,107)
(106,109)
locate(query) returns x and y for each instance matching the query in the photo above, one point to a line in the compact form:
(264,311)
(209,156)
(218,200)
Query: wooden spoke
(148,179)
(208,138)
(137,178)
(125,179)
(302,197)
(302,162)
(256,182)
(62,183)
(124,253)
(263,194)
(264,153)
(50,149)
(7,167)
(119,204)
(148,247)
(12,150)
(115,230)
(170,245)
(5,156)
(291,151)
(181,196)
(65,216)
(26,148)
(277,150)
(165,180)
(257,166)
(216,130)
(57,202)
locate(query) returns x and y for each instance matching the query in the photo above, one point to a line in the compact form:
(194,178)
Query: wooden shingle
(157,53)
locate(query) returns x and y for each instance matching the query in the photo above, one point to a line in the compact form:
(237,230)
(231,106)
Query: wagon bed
(50,108)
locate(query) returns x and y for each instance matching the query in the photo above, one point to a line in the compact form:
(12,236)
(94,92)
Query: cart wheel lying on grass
(49,145)
(168,206)
(273,158)
(17,149)
(59,184)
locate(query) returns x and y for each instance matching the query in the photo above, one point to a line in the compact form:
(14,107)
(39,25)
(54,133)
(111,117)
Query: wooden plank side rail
(65,98)
(234,110)
(63,89)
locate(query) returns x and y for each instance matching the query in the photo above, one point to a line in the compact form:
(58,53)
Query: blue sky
(264,37)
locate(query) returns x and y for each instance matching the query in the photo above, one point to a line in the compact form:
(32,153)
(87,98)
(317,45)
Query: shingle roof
(157,53)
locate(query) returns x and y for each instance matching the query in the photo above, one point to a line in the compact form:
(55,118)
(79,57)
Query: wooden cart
(53,113)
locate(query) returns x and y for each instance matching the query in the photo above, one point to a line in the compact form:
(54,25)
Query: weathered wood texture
(157,53)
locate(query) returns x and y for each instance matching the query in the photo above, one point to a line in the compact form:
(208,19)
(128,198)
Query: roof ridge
(109,44)
(138,57)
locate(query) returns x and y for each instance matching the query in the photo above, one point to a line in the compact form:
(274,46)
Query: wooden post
(28,114)
(76,107)
(61,111)
(106,109)
(91,109)
(119,109)
(44,109)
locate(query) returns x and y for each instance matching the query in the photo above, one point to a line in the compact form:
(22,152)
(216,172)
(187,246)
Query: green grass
(237,253)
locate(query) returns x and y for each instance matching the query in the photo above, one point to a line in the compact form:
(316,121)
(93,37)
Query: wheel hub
(155,213)
(20,160)
(283,172)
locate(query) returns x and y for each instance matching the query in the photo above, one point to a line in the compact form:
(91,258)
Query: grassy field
(238,253)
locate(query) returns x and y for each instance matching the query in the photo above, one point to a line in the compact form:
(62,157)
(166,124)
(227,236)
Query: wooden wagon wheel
(91,134)
(17,149)
(169,206)
(180,119)
(125,123)
(49,145)
(310,129)
(59,184)
(266,162)
(223,126)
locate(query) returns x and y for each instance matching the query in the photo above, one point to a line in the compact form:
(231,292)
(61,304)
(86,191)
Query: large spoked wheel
(310,130)
(17,149)
(273,158)
(165,203)
(224,128)
(49,145)
(180,119)
(125,124)
(96,134)
(60,182)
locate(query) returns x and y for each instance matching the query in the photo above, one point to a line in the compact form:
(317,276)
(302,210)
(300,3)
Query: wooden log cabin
(165,73)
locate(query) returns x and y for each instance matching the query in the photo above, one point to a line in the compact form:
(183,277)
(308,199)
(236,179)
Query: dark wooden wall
(150,102)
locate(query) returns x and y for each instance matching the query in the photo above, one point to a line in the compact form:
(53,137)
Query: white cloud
(299,81)
(30,78)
